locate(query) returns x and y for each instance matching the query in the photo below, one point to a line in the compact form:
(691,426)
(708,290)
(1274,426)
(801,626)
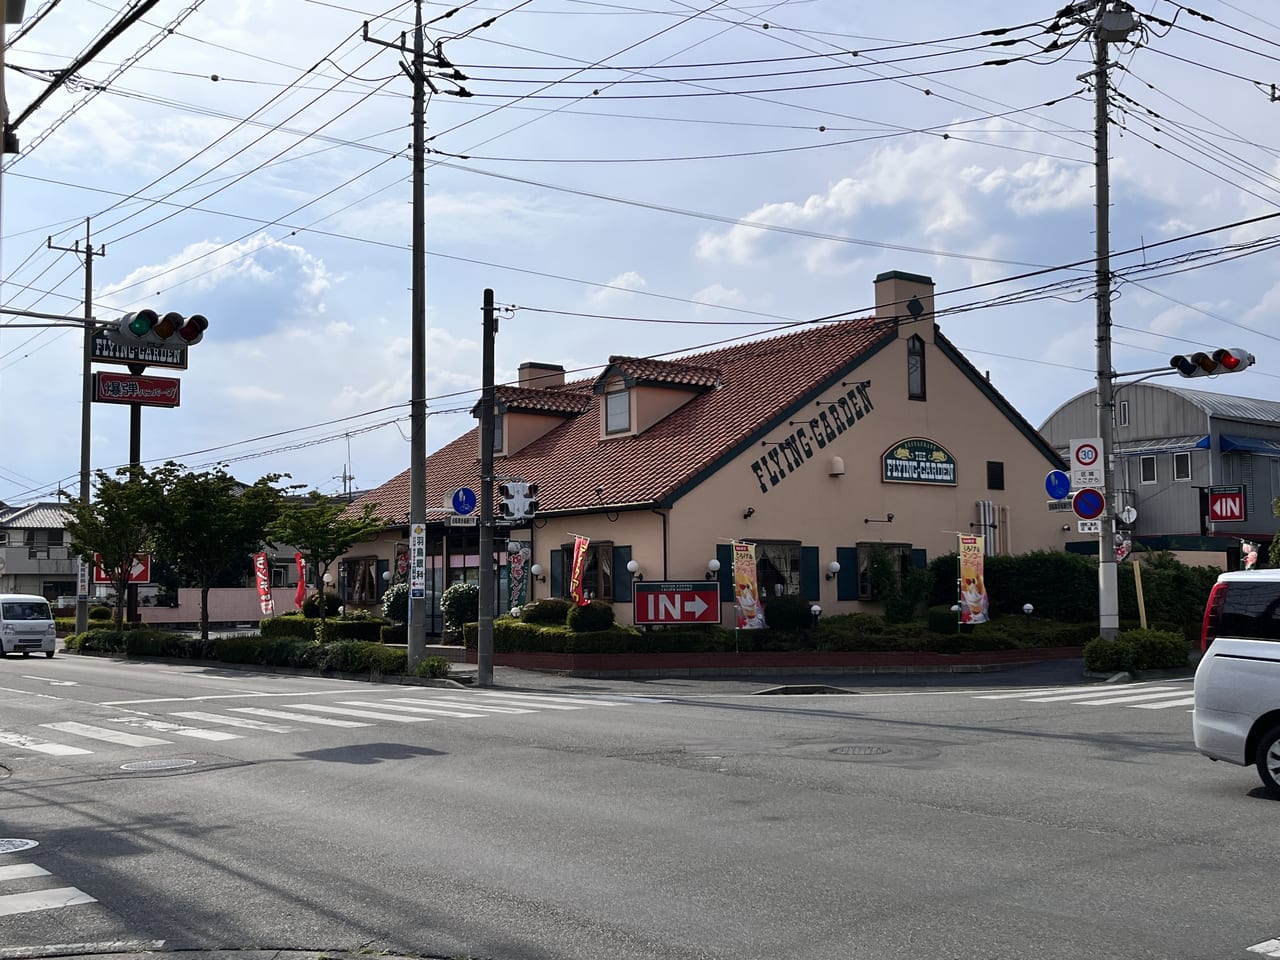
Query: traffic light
(146,327)
(1201,364)
(519,499)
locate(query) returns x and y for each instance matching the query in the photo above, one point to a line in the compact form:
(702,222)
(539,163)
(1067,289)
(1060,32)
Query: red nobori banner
(131,388)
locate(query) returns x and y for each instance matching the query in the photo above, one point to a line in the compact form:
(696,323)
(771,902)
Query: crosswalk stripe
(344,712)
(488,707)
(1101,693)
(1180,702)
(415,708)
(541,698)
(1035,693)
(40,746)
(536,704)
(243,722)
(42,900)
(110,736)
(20,871)
(305,718)
(1133,698)
(178,729)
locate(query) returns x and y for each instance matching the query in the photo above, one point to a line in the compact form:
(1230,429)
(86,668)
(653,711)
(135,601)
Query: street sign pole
(484,638)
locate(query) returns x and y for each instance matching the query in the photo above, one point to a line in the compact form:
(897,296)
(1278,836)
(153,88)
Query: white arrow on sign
(697,605)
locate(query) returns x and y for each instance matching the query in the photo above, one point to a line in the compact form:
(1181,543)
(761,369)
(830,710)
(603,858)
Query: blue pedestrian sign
(1057,484)
(464,501)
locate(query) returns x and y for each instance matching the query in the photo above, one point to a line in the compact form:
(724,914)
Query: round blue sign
(1057,484)
(1088,503)
(464,501)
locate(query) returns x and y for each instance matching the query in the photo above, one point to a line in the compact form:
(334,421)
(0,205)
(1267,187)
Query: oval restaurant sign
(917,460)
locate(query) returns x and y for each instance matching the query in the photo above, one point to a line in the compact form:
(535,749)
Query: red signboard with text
(669,601)
(1227,504)
(132,388)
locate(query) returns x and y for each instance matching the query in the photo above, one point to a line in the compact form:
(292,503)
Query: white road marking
(40,746)
(1268,948)
(56,683)
(542,698)
(110,736)
(162,726)
(42,900)
(1134,698)
(244,722)
(1097,693)
(286,715)
(20,871)
(1182,702)
(488,707)
(1092,688)
(344,712)
(214,696)
(394,705)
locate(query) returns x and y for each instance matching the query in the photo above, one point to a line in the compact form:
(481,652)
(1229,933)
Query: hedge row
(1136,650)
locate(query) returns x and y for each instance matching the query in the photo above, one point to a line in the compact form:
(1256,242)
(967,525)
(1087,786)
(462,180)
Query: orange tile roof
(759,383)
(540,400)
(642,371)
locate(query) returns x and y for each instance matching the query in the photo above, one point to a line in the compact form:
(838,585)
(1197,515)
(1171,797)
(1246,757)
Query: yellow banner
(974,606)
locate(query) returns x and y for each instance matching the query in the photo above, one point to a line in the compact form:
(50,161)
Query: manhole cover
(138,765)
(861,750)
(13,846)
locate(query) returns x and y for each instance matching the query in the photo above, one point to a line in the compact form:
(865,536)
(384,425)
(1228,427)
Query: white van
(26,624)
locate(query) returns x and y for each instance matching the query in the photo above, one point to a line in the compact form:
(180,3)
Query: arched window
(915,369)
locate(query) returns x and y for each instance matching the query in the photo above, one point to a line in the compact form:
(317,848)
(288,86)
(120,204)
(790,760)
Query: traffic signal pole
(488,586)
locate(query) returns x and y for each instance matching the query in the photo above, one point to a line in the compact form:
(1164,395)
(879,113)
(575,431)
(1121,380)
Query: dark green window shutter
(621,575)
(724,553)
(557,573)
(847,578)
(810,587)
(919,559)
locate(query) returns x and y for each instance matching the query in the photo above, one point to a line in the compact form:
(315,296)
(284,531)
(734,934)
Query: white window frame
(1143,461)
(617,403)
(1184,457)
(1124,413)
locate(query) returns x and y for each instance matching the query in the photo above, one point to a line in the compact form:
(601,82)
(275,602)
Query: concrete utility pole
(1109,25)
(488,587)
(86,405)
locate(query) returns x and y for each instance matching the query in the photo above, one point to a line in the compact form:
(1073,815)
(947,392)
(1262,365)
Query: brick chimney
(541,376)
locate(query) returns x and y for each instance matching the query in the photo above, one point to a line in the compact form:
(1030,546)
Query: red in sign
(669,601)
(1226,505)
(140,572)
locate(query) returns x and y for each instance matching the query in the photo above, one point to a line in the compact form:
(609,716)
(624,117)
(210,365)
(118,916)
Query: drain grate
(13,846)
(139,765)
(861,750)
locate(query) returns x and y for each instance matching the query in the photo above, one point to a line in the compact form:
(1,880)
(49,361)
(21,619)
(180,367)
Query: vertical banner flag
(746,591)
(300,594)
(575,574)
(262,571)
(402,562)
(973,588)
(518,573)
(1248,554)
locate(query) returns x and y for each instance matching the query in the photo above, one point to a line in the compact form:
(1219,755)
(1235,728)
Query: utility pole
(418,322)
(86,404)
(488,588)
(1109,25)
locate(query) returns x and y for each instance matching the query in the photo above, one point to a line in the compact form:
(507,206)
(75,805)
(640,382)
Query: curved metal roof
(1227,405)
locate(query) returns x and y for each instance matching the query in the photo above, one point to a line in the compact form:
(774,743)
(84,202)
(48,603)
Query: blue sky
(639,177)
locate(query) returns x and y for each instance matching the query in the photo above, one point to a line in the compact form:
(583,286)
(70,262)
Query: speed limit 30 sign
(1086,463)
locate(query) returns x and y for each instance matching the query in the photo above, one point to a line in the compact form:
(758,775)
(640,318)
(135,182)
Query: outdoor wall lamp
(536,570)
(888,518)
(633,568)
(713,568)
(748,513)
(832,569)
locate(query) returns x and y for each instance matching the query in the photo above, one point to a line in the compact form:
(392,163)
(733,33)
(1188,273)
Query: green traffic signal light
(139,324)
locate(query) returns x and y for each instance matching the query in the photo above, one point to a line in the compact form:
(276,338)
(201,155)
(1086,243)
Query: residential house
(818,446)
(33,553)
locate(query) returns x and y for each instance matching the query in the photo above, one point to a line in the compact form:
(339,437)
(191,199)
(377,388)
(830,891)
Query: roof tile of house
(757,380)
(644,370)
(561,401)
(35,516)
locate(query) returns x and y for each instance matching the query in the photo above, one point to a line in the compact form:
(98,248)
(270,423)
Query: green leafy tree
(322,529)
(118,523)
(211,525)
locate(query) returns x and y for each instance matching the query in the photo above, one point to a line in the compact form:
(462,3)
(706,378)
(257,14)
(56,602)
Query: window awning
(1250,445)
(1163,445)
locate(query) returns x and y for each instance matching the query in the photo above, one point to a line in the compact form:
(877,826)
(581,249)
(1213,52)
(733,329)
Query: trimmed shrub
(394,633)
(100,613)
(550,611)
(1137,650)
(596,615)
(942,619)
(432,667)
(287,626)
(460,605)
(311,605)
(395,603)
(788,612)
(360,629)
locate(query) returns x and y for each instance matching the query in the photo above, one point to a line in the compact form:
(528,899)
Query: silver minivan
(26,625)
(1237,690)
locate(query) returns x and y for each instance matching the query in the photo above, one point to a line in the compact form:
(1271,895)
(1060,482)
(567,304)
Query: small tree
(460,605)
(118,524)
(395,603)
(322,529)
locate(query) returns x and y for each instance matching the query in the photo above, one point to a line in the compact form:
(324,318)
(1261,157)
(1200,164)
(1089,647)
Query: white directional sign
(676,602)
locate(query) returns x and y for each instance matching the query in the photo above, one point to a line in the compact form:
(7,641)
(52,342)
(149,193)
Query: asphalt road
(1021,815)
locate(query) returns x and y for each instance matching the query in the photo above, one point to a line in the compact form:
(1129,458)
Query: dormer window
(617,411)
(915,368)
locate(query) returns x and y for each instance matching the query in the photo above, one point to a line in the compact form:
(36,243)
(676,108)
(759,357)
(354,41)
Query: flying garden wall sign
(786,456)
(917,460)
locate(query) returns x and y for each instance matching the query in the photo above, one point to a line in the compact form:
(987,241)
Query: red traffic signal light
(192,331)
(1201,364)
